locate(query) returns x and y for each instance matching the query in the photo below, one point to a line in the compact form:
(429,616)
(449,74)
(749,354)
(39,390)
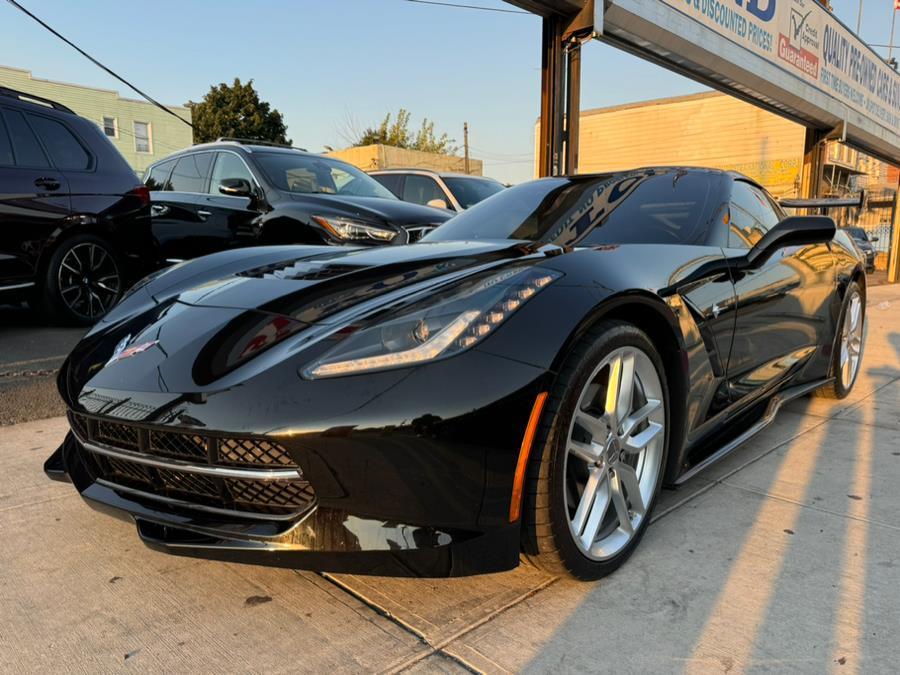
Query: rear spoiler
(823,203)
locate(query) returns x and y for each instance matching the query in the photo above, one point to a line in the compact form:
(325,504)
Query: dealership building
(142,132)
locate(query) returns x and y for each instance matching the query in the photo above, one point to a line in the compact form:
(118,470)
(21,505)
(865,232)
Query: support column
(573,105)
(813,164)
(550,160)
(893,268)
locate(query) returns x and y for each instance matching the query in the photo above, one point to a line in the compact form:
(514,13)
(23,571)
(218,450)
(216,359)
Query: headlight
(350,229)
(434,328)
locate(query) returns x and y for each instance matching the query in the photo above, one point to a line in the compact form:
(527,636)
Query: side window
(189,174)
(158,176)
(66,151)
(6,153)
(391,181)
(143,137)
(421,189)
(228,166)
(25,144)
(751,215)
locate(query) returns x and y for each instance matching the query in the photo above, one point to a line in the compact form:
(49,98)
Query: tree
(398,134)
(236,111)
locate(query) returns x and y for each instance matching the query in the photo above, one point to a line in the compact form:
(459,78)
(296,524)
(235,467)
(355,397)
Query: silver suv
(451,191)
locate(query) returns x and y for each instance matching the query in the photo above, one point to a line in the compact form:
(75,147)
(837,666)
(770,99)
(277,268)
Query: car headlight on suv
(352,229)
(439,326)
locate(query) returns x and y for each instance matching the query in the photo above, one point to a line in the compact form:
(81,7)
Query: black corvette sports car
(525,379)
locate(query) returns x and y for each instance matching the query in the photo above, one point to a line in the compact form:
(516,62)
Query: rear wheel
(83,280)
(594,485)
(847,357)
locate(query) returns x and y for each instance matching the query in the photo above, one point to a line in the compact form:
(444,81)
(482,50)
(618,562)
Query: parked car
(526,378)
(452,191)
(234,192)
(74,218)
(862,240)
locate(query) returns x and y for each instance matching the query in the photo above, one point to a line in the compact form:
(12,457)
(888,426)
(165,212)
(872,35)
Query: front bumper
(321,538)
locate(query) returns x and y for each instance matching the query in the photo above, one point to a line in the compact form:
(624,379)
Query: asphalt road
(31,351)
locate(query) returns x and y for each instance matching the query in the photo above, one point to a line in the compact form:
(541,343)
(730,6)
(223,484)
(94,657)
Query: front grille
(169,480)
(244,451)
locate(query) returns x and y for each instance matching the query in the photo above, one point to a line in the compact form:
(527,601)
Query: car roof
(34,101)
(248,148)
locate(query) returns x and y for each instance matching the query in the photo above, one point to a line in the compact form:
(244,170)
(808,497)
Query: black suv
(238,192)
(74,218)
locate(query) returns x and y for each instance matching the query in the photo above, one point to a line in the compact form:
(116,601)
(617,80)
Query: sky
(334,66)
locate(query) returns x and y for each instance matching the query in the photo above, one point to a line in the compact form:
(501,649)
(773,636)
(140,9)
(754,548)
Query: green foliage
(398,134)
(236,111)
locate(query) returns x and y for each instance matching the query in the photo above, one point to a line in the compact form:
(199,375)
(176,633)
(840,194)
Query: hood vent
(301,270)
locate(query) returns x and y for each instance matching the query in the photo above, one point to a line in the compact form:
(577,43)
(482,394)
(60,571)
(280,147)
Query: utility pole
(893,18)
(466,145)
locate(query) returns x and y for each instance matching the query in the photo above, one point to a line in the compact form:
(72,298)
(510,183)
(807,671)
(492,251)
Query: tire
(848,342)
(82,282)
(606,464)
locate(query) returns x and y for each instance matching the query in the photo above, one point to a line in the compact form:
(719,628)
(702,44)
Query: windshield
(857,233)
(314,174)
(470,191)
(647,206)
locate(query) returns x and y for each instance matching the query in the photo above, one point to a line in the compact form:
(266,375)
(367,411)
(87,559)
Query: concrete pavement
(785,556)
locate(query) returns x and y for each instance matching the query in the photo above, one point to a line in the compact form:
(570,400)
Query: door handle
(47,183)
(204,214)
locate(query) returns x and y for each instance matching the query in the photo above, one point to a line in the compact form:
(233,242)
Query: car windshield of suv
(470,191)
(312,174)
(857,233)
(669,206)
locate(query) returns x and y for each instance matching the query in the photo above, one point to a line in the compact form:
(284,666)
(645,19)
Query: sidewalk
(785,556)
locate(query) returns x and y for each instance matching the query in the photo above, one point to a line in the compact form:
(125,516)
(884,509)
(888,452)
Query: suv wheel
(83,280)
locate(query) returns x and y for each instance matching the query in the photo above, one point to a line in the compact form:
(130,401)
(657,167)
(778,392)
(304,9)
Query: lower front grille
(195,468)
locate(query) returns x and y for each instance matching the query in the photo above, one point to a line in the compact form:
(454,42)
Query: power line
(97,63)
(458,6)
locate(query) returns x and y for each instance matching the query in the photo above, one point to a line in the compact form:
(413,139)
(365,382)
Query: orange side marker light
(515,506)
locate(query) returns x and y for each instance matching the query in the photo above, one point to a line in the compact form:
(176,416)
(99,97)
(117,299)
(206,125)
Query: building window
(143,141)
(110,127)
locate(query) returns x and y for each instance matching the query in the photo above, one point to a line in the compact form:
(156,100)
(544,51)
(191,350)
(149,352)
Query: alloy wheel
(614,452)
(851,340)
(89,280)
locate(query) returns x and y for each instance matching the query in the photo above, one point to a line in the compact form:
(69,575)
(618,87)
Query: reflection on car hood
(312,287)
(391,210)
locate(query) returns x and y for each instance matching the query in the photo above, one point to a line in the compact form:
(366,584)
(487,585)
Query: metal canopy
(792,57)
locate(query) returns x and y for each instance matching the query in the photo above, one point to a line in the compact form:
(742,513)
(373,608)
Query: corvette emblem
(121,352)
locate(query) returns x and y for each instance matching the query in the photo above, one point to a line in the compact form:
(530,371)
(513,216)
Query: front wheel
(593,486)
(83,280)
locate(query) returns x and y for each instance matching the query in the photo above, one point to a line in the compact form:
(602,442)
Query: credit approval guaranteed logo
(796,47)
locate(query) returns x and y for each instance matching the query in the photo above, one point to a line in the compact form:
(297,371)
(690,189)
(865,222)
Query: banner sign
(806,40)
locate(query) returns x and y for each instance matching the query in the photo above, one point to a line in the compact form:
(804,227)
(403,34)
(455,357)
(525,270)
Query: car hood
(314,284)
(197,333)
(390,210)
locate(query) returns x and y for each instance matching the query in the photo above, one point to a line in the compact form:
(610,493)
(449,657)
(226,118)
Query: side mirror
(873,239)
(792,231)
(236,187)
(437,204)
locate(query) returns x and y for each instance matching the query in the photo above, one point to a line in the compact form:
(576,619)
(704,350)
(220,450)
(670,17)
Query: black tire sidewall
(840,390)
(618,335)
(52,303)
